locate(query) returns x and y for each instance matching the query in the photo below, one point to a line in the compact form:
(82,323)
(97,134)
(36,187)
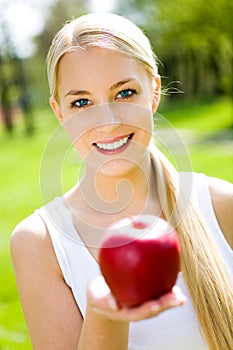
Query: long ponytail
(208,282)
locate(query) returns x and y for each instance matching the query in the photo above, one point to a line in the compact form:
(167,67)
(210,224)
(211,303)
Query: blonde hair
(99,30)
(203,270)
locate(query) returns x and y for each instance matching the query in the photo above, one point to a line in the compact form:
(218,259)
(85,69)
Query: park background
(193,41)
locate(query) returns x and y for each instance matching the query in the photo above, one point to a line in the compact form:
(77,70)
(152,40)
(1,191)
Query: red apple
(140,259)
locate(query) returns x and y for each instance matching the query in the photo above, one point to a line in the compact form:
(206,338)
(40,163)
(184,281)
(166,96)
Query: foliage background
(193,41)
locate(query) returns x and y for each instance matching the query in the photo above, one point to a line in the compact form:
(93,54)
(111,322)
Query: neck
(114,194)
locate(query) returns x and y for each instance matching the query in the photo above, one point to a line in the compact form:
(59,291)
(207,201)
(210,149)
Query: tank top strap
(77,264)
(55,224)
(202,198)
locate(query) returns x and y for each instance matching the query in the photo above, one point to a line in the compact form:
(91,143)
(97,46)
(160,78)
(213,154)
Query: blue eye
(82,102)
(126,93)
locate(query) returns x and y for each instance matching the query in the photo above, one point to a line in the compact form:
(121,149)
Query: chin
(118,167)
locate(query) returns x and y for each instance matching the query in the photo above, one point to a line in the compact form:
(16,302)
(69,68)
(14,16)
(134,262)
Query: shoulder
(30,243)
(221,193)
(30,230)
(42,290)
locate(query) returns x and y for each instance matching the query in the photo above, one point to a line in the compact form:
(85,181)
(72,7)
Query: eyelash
(132,92)
(88,102)
(74,103)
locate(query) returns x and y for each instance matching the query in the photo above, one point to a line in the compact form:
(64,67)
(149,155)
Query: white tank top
(175,329)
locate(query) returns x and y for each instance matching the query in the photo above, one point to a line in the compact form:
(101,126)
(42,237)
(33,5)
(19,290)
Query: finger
(100,296)
(173,298)
(102,301)
(153,308)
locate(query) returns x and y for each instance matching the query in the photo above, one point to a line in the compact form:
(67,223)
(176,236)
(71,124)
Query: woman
(105,89)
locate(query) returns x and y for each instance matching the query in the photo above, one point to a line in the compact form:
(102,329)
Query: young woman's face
(111,99)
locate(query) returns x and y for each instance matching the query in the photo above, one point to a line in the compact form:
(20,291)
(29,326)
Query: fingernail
(176,302)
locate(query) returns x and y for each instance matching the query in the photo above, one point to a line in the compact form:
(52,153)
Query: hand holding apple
(140,259)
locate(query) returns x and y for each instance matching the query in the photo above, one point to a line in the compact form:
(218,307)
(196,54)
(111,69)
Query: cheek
(81,137)
(143,136)
(79,148)
(82,146)
(82,126)
(145,127)
(135,115)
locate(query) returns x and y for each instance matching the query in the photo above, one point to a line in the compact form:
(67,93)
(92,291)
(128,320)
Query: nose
(110,118)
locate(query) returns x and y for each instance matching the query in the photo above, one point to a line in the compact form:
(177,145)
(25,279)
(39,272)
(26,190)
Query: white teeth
(114,145)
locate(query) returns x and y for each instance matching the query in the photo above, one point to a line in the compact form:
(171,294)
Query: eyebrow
(77,92)
(85,92)
(122,82)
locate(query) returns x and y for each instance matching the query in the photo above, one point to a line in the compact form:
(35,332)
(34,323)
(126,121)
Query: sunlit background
(24,19)
(193,42)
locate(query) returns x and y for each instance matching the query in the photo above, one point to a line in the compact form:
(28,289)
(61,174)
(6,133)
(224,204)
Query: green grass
(205,127)
(200,114)
(201,125)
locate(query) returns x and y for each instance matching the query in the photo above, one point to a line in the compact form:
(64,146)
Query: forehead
(90,66)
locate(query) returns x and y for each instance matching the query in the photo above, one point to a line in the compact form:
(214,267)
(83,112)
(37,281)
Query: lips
(115,145)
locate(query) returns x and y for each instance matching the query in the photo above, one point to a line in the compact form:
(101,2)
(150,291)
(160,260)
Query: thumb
(100,296)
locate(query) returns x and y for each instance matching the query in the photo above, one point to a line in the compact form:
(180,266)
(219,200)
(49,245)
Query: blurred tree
(193,39)
(27,76)
(6,111)
(24,98)
(13,78)
(60,12)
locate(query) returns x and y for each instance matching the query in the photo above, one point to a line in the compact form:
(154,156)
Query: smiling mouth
(116,145)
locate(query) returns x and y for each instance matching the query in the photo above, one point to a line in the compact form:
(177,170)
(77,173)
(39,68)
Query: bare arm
(52,315)
(221,193)
(111,324)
